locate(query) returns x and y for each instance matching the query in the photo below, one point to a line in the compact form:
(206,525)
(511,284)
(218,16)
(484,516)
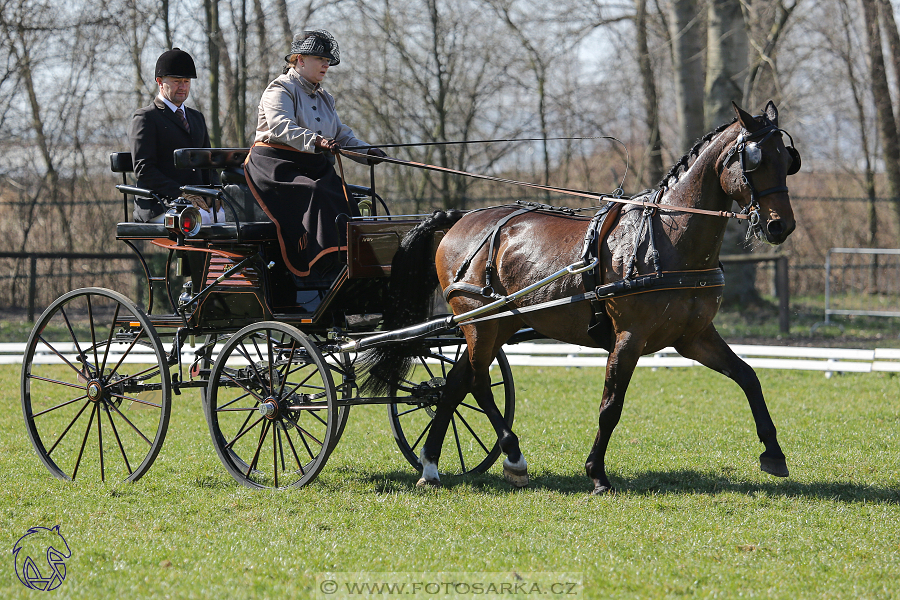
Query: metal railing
(862,281)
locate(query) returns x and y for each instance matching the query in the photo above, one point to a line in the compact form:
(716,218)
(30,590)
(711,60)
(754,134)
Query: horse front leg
(619,369)
(710,350)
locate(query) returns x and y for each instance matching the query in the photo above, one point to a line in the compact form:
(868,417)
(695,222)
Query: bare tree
(655,168)
(686,33)
(727,49)
(881,93)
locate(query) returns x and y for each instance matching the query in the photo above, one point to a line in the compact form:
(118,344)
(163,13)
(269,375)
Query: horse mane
(684,162)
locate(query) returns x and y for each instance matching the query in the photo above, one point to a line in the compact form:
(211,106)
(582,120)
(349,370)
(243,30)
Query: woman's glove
(377,153)
(327,145)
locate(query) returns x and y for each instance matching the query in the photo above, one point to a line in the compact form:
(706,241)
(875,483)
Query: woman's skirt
(303,195)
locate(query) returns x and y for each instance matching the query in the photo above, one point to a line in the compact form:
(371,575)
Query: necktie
(180,113)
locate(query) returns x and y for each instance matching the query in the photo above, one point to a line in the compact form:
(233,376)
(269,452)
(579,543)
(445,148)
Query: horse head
(753,171)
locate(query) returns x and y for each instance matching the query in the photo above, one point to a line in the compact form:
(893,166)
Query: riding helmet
(175,63)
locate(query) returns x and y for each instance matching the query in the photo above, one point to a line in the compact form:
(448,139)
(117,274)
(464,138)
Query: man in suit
(161,128)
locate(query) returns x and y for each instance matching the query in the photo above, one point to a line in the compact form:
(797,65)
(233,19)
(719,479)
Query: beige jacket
(293,112)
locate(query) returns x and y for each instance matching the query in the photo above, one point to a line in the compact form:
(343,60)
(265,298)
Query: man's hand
(201,203)
(327,145)
(377,154)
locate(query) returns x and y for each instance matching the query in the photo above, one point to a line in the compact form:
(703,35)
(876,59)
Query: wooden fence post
(783,289)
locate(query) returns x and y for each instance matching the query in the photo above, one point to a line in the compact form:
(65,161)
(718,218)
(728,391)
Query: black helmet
(316,42)
(175,63)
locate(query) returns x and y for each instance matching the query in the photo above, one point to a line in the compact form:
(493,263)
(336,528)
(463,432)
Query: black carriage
(274,360)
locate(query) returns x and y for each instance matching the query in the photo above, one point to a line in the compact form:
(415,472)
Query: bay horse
(745,161)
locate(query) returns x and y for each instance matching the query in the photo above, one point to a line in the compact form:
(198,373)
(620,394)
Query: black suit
(156,132)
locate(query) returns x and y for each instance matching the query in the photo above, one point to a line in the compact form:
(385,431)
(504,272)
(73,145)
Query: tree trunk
(727,52)
(651,101)
(885,110)
(687,61)
(212,33)
(283,17)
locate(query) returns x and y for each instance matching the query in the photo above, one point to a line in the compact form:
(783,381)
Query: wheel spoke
(93,345)
(472,431)
(287,368)
(470,407)
(262,438)
(100,442)
(63,434)
(275,454)
(64,359)
(138,400)
(294,451)
(133,426)
(412,410)
(244,387)
(421,435)
(241,434)
(127,352)
(66,403)
(462,461)
(118,441)
(112,328)
(84,441)
(84,359)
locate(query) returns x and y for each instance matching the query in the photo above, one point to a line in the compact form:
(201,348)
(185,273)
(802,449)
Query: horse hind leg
(710,350)
(515,469)
(455,390)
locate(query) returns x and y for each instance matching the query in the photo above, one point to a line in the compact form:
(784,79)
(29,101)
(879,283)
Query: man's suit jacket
(156,132)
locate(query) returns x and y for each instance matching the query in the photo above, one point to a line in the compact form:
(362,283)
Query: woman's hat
(175,63)
(316,42)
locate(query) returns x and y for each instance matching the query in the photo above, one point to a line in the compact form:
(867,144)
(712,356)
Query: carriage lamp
(183,221)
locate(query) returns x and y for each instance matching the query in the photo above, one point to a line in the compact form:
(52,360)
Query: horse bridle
(746,147)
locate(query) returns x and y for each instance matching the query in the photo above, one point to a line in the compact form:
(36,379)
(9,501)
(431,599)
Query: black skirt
(303,195)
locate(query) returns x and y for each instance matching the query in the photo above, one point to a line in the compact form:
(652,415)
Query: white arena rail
(828,360)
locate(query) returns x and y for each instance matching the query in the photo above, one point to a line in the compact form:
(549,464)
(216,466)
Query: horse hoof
(773,466)
(602,490)
(429,483)
(516,479)
(516,474)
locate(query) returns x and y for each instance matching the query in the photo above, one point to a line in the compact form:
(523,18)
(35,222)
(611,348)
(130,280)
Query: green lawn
(693,516)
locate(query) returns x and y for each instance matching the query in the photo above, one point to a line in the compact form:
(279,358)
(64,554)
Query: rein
(546,188)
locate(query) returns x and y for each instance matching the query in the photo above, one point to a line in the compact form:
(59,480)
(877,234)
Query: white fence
(828,360)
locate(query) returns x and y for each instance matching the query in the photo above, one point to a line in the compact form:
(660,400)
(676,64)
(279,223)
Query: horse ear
(772,113)
(746,119)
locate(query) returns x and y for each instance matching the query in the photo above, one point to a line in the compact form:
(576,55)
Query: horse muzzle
(776,231)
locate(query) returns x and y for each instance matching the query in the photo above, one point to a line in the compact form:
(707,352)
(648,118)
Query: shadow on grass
(686,482)
(696,482)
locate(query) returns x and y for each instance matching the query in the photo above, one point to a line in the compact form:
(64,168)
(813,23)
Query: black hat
(316,42)
(175,63)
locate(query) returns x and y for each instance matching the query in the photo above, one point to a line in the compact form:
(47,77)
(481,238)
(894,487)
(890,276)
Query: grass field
(693,515)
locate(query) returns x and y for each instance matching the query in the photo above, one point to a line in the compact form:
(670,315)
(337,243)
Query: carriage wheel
(270,406)
(470,445)
(343,374)
(96,388)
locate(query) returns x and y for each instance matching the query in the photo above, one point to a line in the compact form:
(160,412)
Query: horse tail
(407,302)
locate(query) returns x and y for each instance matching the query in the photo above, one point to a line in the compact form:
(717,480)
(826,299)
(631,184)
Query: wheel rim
(470,445)
(271,407)
(95,387)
